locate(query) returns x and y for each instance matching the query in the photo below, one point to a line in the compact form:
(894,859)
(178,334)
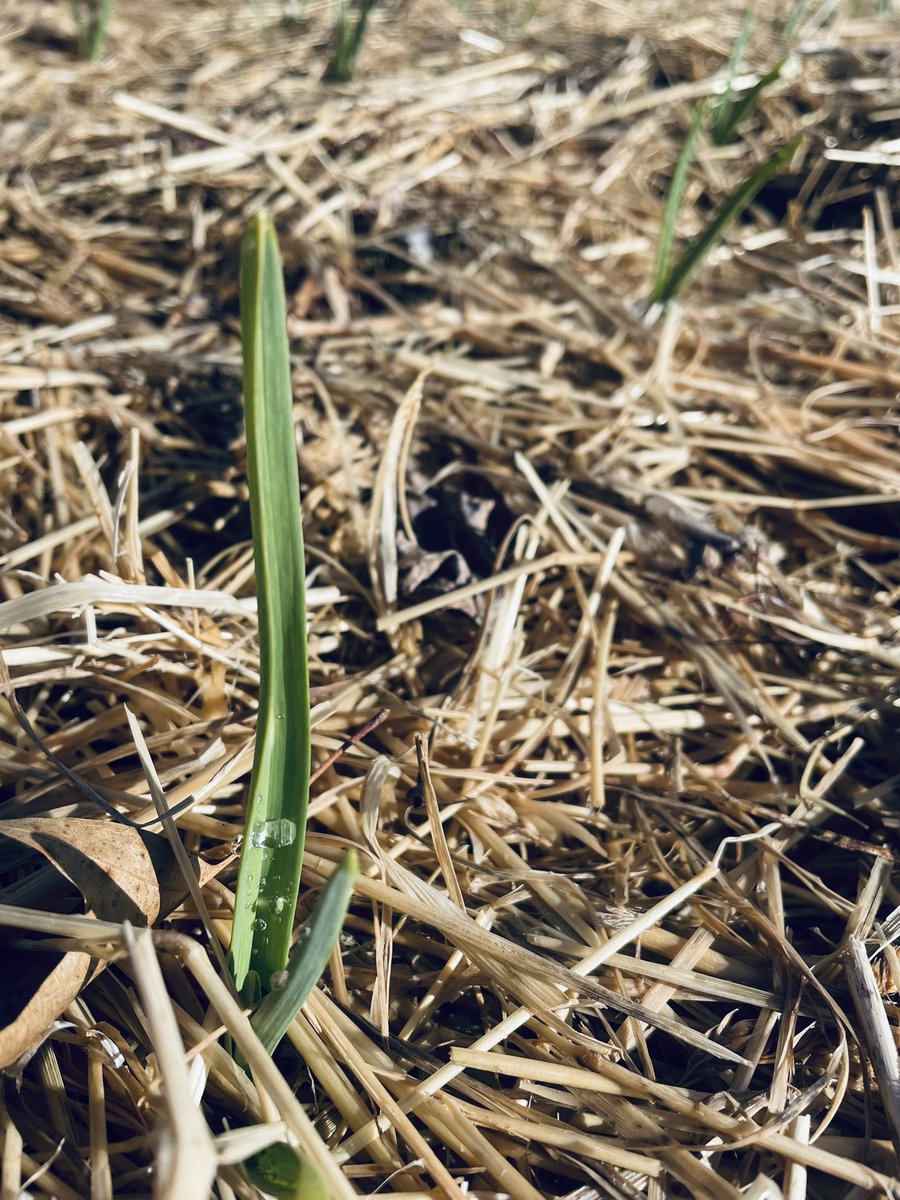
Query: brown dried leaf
(459,533)
(122,874)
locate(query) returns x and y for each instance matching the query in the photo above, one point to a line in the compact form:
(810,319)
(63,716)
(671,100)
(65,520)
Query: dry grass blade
(187,1157)
(876,1033)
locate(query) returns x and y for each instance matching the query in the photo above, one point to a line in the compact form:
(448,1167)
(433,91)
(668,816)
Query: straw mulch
(626,929)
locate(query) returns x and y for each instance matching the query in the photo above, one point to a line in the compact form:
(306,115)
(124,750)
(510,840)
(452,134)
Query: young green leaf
(723,122)
(349,35)
(673,203)
(794,20)
(695,253)
(280,1171)
(306,964)
(272,855)
(742,109)
(92,21)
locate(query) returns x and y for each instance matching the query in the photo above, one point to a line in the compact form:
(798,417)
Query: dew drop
(272,834)
(278,980)
(259,925)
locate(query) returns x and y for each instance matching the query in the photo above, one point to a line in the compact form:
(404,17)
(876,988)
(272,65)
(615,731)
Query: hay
(631,576)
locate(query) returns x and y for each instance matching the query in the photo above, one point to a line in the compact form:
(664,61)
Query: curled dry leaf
(459,532)
(121,873)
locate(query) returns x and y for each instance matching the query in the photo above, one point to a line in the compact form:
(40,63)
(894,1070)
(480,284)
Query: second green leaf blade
(669,285)
(272,856)
(310,956)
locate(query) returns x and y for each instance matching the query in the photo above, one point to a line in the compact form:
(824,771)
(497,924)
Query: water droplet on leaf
(272,834)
